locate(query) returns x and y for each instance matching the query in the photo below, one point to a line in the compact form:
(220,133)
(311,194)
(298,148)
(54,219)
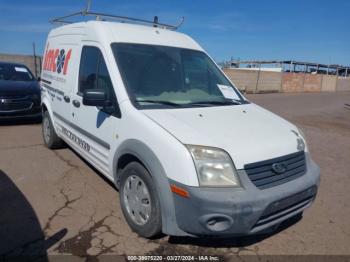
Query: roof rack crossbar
(102,16)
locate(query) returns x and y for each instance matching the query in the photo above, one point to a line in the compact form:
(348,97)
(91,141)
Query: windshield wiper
(227,102)
(161,102)
(202,103)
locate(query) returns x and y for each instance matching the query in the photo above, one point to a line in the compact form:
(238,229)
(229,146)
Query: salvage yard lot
(53,202)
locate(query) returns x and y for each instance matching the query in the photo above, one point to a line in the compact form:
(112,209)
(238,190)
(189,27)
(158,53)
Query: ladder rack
(109,17)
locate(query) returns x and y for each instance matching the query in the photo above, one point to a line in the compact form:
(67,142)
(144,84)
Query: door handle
(66,98)
(76,103)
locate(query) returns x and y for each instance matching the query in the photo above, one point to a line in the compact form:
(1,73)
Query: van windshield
(161,76)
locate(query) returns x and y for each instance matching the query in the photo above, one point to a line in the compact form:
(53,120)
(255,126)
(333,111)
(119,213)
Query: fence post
(281,85)
(35,65)
(257,80)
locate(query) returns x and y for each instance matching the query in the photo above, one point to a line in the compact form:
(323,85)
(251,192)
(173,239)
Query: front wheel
(50,137)
(139,201)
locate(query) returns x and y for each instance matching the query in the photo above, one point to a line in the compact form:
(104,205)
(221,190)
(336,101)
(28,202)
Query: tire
(147,222)
(50,137)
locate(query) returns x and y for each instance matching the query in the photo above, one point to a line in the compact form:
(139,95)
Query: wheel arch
(43,107)
(135,150)
(46,107)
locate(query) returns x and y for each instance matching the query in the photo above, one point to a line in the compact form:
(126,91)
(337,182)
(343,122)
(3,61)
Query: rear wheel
(50,136)
(139,201)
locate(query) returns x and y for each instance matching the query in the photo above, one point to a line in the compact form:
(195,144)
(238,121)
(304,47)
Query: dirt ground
(52,202)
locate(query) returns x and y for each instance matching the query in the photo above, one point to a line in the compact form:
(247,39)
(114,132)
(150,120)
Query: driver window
(88,68)
(93,73)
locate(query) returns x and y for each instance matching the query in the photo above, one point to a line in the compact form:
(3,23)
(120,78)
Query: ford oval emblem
(279,168)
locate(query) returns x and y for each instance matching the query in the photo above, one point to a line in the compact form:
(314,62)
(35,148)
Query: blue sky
(307,30)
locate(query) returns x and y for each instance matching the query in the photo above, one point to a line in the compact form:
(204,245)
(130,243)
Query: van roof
(110,32)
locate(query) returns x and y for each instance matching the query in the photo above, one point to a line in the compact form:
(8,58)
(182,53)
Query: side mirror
(95,97)
(38,79)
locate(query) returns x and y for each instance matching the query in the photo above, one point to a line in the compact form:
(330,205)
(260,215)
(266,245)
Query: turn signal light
(179,191)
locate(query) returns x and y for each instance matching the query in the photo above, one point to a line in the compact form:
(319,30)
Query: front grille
(15,106)
(287,206)
(263,176)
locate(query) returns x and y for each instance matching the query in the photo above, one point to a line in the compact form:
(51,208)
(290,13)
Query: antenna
(88,6)
(155,21)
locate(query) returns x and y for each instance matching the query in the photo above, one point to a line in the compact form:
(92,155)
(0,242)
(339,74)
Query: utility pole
(35,64)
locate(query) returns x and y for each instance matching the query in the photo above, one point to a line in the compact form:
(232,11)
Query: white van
(190,155)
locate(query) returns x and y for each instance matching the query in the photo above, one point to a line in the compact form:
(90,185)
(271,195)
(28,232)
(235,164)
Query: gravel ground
(52,202)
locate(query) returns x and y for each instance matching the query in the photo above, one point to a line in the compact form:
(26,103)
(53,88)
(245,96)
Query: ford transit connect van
(190,155)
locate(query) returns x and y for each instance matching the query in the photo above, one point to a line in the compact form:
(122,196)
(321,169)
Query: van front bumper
(244,211)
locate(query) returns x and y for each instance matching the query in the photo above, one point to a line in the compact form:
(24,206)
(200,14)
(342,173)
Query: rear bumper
(238,212)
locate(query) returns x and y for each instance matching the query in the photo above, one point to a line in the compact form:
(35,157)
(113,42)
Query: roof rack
(108,17)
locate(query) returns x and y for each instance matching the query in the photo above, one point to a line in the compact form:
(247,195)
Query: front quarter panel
(162,155)
(171,153)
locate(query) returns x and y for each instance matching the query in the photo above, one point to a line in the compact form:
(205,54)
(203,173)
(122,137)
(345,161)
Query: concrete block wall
(292,82)
(343,84)
(244,80)
(267,82)
(329,83)
(255,81)
(27,60)
(312,83)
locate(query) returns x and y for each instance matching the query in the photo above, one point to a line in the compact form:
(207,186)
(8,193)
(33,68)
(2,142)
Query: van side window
(88,68)
(93,73)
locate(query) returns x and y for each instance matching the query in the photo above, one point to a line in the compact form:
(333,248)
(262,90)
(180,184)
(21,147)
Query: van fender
(45,102)
(154,166)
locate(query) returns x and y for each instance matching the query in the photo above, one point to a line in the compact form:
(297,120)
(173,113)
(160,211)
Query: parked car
(19,92)
(190,155)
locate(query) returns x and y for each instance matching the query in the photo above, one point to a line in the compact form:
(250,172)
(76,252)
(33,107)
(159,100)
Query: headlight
(35,97)
(301,132)
(302,145)
(214,167)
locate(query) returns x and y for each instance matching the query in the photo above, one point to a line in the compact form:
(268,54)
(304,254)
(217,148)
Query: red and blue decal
(57,60)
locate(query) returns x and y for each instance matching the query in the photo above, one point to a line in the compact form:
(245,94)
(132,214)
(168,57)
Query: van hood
(247,132)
